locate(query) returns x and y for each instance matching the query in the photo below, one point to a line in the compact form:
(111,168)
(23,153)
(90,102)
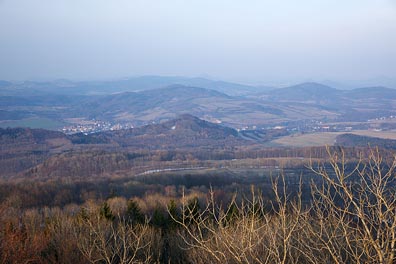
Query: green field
(33,123)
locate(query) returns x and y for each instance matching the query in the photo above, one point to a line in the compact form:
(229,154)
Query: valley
(71,107)
(197,132)
(76,164)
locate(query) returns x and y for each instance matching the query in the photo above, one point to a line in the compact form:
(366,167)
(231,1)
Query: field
(326,138)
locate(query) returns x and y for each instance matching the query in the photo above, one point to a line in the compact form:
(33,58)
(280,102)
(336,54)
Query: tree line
(346,217)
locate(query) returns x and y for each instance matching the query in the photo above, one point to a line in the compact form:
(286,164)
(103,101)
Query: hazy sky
(230,39)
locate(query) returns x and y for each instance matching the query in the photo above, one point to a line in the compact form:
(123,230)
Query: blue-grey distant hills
(4,83)
(134,84)
(304,92)
(143,100)
(316,92)
(167,103)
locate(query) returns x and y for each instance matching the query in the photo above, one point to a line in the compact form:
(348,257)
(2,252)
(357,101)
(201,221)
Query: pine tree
(105,212)
(134,213)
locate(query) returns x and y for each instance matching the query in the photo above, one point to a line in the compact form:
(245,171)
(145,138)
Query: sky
(260,41)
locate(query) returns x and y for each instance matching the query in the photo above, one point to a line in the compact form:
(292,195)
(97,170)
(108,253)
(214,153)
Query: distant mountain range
(167,103)
(66,87)
(140,83)
(299,102)
(143,100)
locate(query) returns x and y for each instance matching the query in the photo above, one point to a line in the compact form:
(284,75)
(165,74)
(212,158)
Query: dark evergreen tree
(158,219)
(232,213)
(173,214)
(105,212)
(134,214)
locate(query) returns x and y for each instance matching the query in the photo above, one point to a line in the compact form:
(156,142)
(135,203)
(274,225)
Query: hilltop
(186,131)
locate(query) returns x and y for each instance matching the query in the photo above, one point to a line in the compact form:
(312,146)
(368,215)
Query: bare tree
(101,240)
(355,210)
(350,219)
(244,233)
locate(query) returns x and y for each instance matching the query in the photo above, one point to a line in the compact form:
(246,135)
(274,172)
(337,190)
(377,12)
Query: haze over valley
(194,132)
(89,107)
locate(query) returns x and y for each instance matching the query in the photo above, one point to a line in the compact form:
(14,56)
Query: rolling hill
(169,102)
(306,92)
(123,101)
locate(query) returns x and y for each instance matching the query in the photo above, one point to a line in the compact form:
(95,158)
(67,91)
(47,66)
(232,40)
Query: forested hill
(183,132)
(22,148)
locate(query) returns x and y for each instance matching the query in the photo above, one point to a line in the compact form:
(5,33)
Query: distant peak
(312,85)
(180,89)
(188,117)
(178,86)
